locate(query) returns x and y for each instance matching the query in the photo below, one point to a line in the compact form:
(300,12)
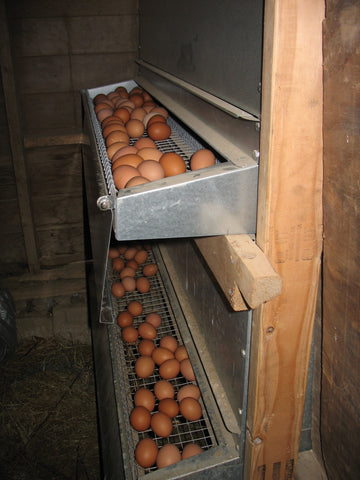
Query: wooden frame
(289,232)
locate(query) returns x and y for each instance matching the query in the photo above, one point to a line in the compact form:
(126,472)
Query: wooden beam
(289,231)
(241,269)
(36,141)
(16,143)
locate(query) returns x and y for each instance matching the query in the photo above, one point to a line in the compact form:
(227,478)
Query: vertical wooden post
(17,144)
(289,232)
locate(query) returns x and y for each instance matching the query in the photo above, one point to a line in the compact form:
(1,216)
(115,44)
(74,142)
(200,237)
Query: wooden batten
(289,231)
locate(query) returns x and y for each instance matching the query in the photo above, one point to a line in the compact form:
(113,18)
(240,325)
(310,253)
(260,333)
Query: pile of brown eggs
(156,407)
(131,123)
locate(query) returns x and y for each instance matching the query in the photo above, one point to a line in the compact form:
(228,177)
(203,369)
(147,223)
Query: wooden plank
(340,393)
(243,272)
(289,231)
(16,142)
(37,141)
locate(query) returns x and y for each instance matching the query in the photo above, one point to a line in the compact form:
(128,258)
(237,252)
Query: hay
(48,423)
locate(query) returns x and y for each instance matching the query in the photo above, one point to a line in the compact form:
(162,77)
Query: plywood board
(289,232)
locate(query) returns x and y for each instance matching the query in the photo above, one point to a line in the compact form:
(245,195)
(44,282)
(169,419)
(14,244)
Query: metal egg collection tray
(127,382)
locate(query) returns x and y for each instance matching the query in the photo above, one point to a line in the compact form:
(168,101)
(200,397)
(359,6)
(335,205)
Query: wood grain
(289,232)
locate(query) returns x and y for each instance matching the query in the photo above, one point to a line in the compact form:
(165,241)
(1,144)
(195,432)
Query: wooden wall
(340,396)
(52,51)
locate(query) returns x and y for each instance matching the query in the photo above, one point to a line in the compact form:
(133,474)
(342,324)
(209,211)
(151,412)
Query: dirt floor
(48,426)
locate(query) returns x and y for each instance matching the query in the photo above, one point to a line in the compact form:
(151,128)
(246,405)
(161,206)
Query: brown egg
(144,398)
(146,96)
(142,285)
(169,406)
(106,103)
(146,452)
(150,270)
(124,103)
(149,153)
(121,90)
(99,98)
(187,370)
(123,174)
(117,136)
(147,331)
(181,353)
(161,111)
(104,113)
(132,264)
(133,182)
(124,151)
(146,347)
(160,355)
(159,131)
(124,319)
(169,369)
(129,334)
(127,272)
(129,284)
(190,450)
(110,120)
(163,389)
(188,391)
(114,148)
(144,366)
(172,163)
(151,115)
(122,113)
(148,106)
(135,128)
(122,249)
(141,256)
(117,289)
(112,127)
(130,159)
(130,253)
(161,424)
(137,99)
(135,308)
(155,117)
(168,455)
(169,342)
(190,409)
(154,319)
(151,169)
(113,253)
(144,142)
(138,114)
(140,418)
(118,264)
(112,95)
(201,159)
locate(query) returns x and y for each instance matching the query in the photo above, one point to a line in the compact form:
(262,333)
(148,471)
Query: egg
(151,169)
(125,150)
(140,418)
(117,136)
(144,398)
(146,452)
(163,389)
(172,163)
(123,174)
(129,159)
(105,104)
(146,347)
(154,319)
(155,117)
(129,334)
(162,111)
(122,113)
(124,319)
(112,127)
(146,330)
(113,253)
(137,99)
(118,290)
(161,424)
(144,366)
(138,114)
(129,284)
(190,450)
(148,105)
(127,272)
(114,148)
(121,90)
(187,370)
(160,355)
(159,131)
(201,159)
(169,369)
(132,264)
(99,98)
(142,285)
(104,113)
(169,406)
(168,455)
(141,256)
(144,142)
(138,180)
(169,342)
(151,115)
(188,391)
(150,270)
(190,409)
(130,253)
(118,264)
(149,153)
(110,120)
(135,308)
(181,353)
(135,128)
